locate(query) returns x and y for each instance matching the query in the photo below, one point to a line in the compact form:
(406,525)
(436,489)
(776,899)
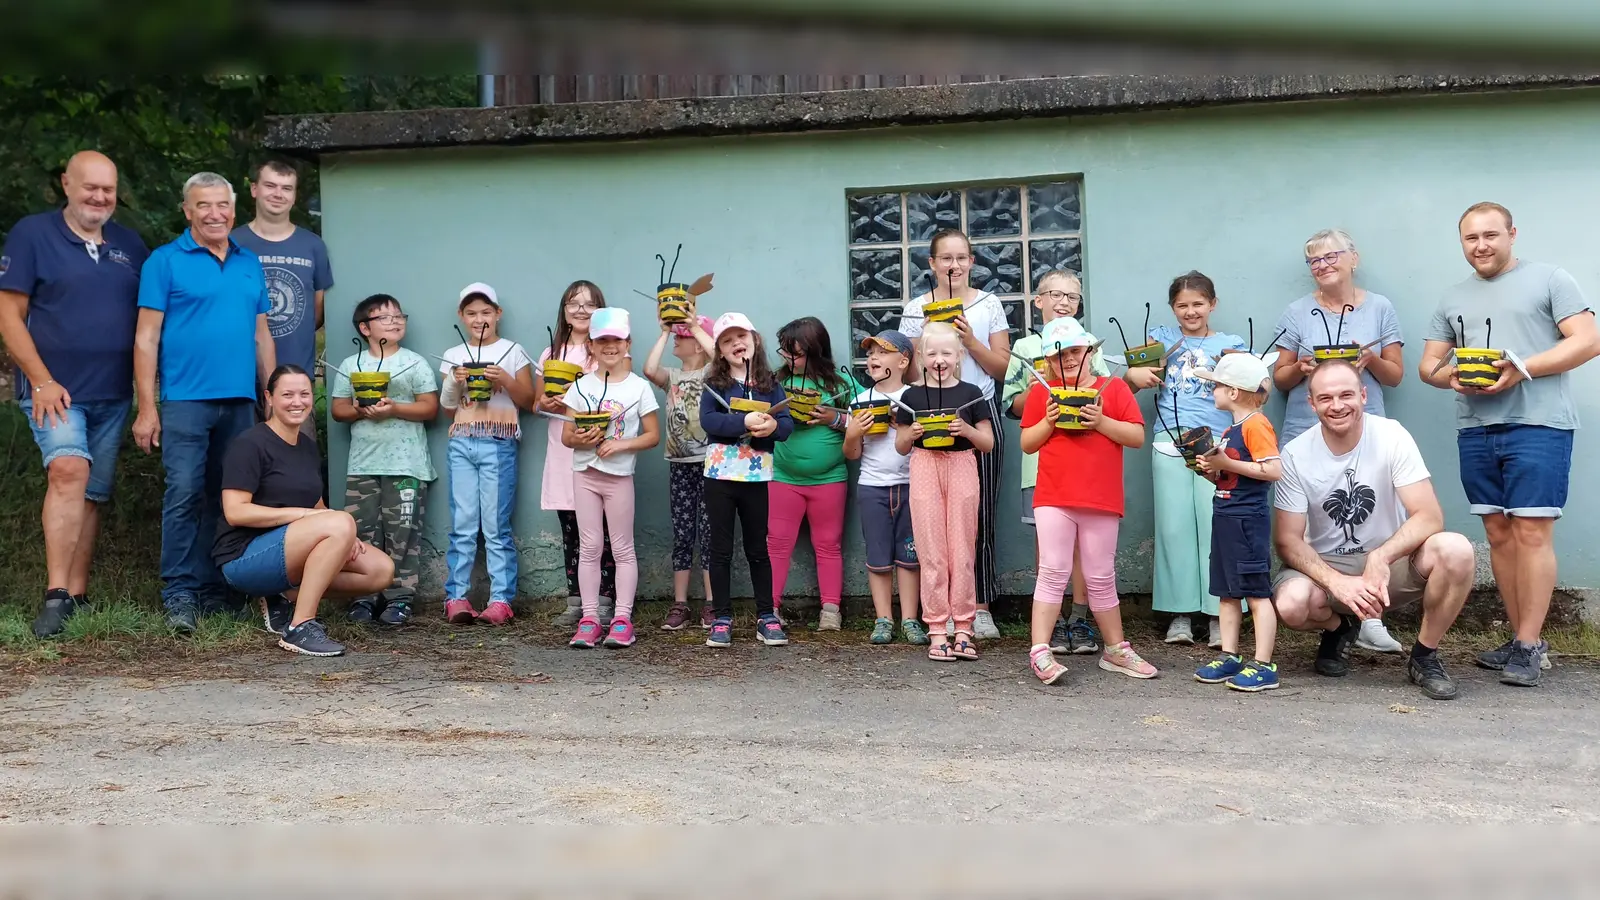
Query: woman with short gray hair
(1338,312)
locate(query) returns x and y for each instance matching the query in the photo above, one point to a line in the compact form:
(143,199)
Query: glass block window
(1018,232)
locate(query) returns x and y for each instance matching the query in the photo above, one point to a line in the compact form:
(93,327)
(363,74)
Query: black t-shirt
(925,399)
(276,474)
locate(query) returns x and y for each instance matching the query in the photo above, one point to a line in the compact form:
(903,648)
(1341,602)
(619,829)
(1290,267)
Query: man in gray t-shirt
(1515,439)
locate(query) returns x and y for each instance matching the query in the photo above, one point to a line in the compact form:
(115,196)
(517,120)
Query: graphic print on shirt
(287,294)
(1182,362)
(1349,507)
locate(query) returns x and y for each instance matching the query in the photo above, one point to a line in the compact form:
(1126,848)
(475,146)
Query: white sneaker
(983,627)
(1376,638)
(1179,631)
(1214,634)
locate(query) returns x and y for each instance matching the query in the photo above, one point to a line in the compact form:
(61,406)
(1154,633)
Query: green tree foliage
(161,130)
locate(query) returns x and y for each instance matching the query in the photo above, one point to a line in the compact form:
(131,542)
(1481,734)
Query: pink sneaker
(1043,663)
(707,618)
(1121,658)
(496,613)
(621,633)
(588,635)
(459,612)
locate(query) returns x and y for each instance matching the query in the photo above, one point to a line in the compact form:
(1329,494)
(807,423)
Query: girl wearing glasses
(558,490)
(1337,311)
(985,338)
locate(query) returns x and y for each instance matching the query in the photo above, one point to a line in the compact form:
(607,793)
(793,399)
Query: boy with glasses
(389,468)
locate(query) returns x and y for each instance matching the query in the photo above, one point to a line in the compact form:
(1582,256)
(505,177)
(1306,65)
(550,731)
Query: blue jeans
(92,431)
(195,435)
(483,492)
(1515,470)
(263,569)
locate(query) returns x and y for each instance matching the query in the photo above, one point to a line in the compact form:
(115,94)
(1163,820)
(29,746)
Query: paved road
(808,733)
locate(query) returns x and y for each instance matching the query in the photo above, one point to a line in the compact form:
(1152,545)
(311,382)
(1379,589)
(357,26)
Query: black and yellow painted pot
(1327,352)
(1194,443)
(936,427)
(880,414)
(586,420)
(944,310)
(802,403)
(1072,401)
(369,388)
(673,303)
(558,376)
(748,405)
(479,387)
(1147,356)
(1475,366)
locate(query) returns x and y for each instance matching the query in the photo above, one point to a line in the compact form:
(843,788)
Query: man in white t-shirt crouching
(1359,528)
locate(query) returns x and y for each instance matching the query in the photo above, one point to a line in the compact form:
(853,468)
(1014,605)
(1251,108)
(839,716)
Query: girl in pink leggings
(809,480)
(602,463)
(1078,500)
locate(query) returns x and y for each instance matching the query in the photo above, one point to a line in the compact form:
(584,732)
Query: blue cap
(892,341)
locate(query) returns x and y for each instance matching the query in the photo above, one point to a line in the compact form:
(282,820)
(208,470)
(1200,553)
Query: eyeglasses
(1332,259)
(388,319)
(950,260)
(580,306)
(1055,296)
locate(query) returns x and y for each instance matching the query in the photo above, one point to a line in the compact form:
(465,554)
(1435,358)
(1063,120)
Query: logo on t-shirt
(287,294)
(1348,507)
(117,256)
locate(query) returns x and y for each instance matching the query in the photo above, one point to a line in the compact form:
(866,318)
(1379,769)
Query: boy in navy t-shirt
(1244,463)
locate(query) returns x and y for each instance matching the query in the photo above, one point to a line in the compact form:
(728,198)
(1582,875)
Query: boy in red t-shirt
(1244,463)
(1077,502)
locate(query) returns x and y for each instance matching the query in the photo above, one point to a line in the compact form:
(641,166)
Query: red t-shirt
(1082,469)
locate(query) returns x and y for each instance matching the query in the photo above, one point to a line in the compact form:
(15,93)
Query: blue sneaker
(721,633)
(770,631)
(1220,669)
(1082,637)
(1258,676)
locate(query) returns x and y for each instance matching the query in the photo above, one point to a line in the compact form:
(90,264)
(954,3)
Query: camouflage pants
(388,514)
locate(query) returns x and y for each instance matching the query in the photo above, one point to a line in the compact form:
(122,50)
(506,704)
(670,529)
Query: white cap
(1245,371)
(478,288)
(730,320)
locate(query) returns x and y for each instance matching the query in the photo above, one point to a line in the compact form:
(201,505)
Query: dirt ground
(434,730)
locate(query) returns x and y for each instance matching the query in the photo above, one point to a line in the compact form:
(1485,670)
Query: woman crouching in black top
(278,540)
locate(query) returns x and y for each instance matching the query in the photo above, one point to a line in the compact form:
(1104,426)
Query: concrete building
(820,204)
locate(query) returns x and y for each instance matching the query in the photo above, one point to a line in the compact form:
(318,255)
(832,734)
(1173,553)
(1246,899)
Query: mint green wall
(1231,192)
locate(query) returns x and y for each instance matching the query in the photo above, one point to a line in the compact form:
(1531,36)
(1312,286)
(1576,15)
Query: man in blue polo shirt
(69,282)
(203,328)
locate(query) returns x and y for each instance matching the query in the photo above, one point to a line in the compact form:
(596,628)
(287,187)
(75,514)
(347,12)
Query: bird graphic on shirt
(1350,506)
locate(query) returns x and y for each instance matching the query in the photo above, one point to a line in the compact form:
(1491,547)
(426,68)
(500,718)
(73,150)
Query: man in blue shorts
(203,324)
(1515,438)
(69,283)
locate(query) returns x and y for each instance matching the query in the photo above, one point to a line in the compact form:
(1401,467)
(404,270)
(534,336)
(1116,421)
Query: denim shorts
(885,514)
(1517,470)
(1241,557)
(92,431)
(263,569)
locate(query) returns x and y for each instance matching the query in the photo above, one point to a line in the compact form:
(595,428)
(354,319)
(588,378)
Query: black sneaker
(277,611)
(1333,656)
(1428,673)
(309,638)
(396,613)
(1061,637)
(1522,667)
(184,618)
(58,608)
(1496,659)
(363,612)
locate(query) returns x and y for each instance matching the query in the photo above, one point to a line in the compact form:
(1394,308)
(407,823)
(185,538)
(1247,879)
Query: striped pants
(985,572)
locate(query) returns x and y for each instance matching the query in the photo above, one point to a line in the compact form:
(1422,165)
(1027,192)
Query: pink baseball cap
(682,330)
(731,320)
(609,322)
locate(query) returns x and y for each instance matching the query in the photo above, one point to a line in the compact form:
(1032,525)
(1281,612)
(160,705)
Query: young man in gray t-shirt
(1515,439)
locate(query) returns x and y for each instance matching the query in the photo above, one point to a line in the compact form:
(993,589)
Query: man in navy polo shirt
(203,328)
(69,282)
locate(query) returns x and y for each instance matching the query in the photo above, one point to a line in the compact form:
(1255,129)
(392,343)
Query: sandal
(963,647)
(941,652)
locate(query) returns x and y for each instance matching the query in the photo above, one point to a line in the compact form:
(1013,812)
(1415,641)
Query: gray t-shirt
(296,268)
(1373,320)
(1525,304)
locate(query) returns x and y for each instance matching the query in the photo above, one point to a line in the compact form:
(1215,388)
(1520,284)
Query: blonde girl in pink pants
(944,490)
(1078,500)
